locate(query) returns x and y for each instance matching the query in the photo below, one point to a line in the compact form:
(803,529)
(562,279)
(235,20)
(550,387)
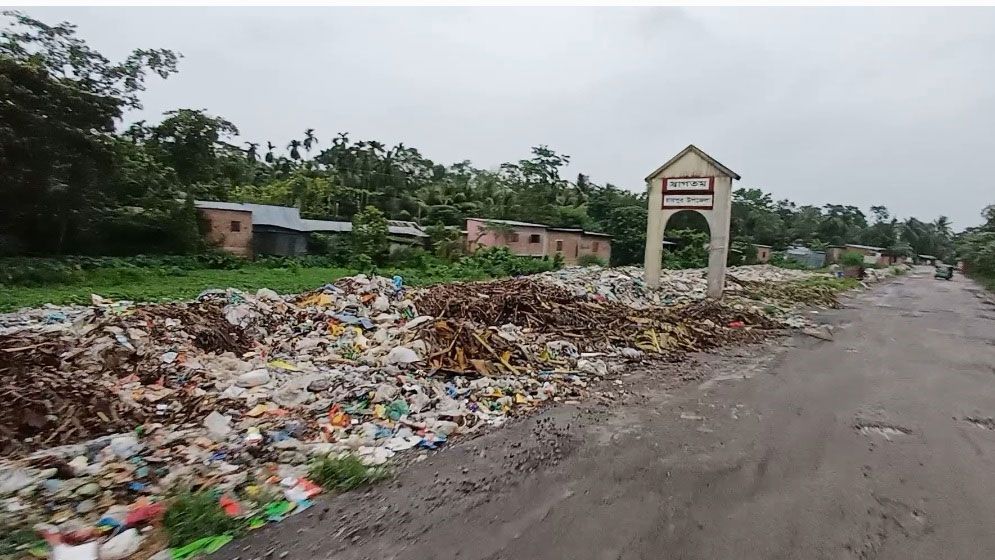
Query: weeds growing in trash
(194,515)
(14,541)
(344,473)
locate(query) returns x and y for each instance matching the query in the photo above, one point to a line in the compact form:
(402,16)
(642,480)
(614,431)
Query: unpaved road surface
(877,444)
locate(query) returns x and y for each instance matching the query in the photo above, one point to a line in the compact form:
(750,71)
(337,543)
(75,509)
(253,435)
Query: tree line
(76,181)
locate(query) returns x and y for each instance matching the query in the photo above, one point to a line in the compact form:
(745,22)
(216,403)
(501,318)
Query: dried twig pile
(465,338)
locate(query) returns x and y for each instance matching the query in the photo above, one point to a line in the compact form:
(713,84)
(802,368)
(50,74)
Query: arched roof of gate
(694,151)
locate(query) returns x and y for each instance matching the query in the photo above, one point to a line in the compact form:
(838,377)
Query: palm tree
(309,139)
(251,153)
(943,226)
(270,158)
(294,147)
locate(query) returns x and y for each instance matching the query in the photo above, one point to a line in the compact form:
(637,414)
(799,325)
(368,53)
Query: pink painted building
(537,240)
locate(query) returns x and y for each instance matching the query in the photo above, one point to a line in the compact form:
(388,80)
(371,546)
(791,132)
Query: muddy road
(877,444)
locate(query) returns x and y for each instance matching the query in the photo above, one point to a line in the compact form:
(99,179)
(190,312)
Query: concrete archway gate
(691,180)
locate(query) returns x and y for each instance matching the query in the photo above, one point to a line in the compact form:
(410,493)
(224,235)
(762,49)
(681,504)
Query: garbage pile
(114,407)
(627,285)
(533,314)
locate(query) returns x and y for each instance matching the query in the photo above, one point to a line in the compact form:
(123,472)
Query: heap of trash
(113,408)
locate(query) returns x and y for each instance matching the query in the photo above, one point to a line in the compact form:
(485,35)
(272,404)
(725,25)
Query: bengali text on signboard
(702,201)
(683,184)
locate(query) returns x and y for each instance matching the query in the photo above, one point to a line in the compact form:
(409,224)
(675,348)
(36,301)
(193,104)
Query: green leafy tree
(60,103)
(195,144)
(369,234)
(627,226)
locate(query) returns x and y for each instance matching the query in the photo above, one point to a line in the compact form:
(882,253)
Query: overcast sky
(833,105)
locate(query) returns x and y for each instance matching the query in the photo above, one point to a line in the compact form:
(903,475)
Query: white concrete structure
(692,180)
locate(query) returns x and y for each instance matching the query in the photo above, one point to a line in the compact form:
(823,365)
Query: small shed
(763,253)
(806,256)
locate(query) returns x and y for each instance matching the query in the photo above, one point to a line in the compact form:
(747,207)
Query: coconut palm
(294,147)
(309,139)
(270,158)
(251,153)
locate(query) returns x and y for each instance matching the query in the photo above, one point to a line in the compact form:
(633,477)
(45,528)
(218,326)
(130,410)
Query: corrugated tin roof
(279,216)
(262,214)
(290,218)
(410,229)
(213,205)
(327,225)
(509,222)
(543,226)
(868,247)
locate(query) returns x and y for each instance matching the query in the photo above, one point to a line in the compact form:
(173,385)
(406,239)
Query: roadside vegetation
(976,248)
(27,282)
(344,473)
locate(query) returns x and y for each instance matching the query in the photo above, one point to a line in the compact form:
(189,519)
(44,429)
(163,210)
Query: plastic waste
(396,409)
(121,545)
(402,355)
(218,425)
(253,378)
(125,446)
(206,545)
(85,551)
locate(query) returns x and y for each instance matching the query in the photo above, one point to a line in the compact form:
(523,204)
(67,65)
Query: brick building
(537,240)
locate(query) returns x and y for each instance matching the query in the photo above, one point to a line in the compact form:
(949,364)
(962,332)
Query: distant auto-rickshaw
(945,271)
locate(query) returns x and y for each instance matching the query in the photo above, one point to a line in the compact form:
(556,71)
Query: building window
(512,238)
(534,238)
(236,225)
(594,246)
(559,245)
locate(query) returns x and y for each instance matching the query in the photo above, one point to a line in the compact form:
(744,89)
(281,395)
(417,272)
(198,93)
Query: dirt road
(877,444)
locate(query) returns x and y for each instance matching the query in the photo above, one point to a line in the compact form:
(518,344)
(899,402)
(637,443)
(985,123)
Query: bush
(590,260)
(193,516)
(498,261)
(693,252)
(369,234)
(336,248)
(780,261)
(344,473)
(410,257)
(852,258)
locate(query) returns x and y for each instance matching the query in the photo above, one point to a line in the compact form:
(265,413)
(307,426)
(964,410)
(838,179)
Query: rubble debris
(114,406)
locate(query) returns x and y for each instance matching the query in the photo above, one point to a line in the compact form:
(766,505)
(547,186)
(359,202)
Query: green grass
(838,284)
(164,284)
(14,540)
(193,516)
(988,281)
(344,473)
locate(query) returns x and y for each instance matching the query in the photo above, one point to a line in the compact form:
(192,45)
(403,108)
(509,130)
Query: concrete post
(718,244)
(654,233)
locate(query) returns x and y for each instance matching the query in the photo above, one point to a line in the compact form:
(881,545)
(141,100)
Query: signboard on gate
(688,201)
(689,184)
(680,193)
